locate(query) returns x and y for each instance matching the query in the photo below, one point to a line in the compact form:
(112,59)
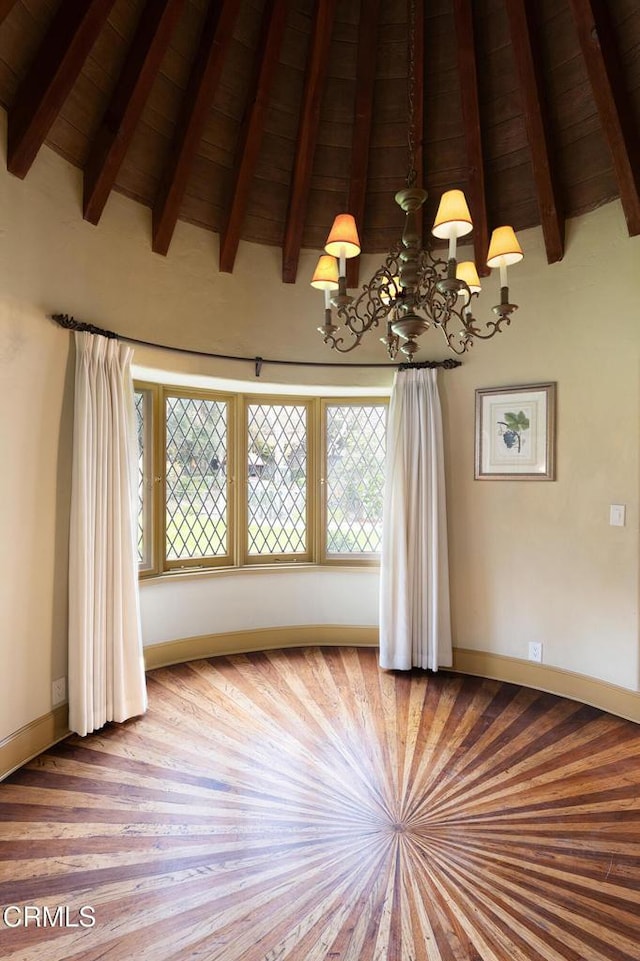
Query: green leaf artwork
(512,427)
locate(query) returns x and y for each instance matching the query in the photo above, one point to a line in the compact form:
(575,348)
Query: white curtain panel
(106,668)
(415,620)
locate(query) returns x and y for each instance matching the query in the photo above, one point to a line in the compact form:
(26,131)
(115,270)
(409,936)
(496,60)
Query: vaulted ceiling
(261,119)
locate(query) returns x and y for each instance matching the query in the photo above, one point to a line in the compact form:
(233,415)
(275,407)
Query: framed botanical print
(515,432)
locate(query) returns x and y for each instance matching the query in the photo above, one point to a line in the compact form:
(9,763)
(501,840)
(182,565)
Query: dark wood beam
(599,49)
(274,18)
(529,70)
(203,81)
(55,69)
(307,134)
(468,72)
(155,29)
(363,116)
(6,6)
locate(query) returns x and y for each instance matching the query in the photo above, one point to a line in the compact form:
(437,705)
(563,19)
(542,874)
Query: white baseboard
(258,639)
(553,680)
(33,739)
(578,687)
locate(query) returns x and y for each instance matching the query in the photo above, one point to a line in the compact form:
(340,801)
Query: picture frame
(515,432)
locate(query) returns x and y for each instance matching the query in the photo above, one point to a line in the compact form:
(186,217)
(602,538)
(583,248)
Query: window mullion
(161,519)
(147,507)
(242,481)
(322,483)
(314,473)
(157,478)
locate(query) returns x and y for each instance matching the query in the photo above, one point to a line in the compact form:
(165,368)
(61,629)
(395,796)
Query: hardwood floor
(303,805)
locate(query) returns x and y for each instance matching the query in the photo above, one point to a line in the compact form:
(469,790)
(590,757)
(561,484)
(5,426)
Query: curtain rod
(70,323)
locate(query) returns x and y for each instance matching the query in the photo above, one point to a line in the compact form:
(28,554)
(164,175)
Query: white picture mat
(504,447)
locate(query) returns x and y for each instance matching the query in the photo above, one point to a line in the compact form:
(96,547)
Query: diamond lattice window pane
(140,431)
(355,477)
(196,488)
(277,479)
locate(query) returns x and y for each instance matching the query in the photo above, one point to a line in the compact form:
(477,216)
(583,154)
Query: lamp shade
(343,239)
(453,219)
(504,249)
(467,272)
(325,276)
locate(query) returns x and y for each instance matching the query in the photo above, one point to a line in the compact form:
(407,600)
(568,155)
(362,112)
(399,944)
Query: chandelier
(414,290)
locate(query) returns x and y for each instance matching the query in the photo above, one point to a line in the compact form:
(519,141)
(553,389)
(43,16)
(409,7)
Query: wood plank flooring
(303,805)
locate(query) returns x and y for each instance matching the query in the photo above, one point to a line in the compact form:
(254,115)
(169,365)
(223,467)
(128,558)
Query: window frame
(237,480)
(149,566)
(221,560)
(364,559)
(307,557)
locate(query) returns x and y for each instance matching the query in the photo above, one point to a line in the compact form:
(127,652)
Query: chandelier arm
(357,322)
(336,342)
(429,261)
(375,300)
(493,326)
(463,339)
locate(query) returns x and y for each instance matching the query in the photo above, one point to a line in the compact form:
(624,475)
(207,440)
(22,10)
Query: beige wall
(35,440)
(194,606)
(538,561)
(529,561)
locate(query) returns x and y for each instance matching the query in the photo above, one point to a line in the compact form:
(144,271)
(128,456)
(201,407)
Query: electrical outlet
(535,651)
(58,692)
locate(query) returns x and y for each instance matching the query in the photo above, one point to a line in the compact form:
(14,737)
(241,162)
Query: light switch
(617,515)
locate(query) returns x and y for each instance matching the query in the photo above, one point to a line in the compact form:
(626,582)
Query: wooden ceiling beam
(155,29)
(273,23)
(203,81)
(529,71)
(602,59)
(54,70)
(307,136)
(468,71)
(6,6)
(362,120)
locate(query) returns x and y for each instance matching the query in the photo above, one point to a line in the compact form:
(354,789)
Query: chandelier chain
(412,174)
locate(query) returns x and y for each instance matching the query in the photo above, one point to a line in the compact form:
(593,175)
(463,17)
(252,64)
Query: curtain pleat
(106,667)
(415,620)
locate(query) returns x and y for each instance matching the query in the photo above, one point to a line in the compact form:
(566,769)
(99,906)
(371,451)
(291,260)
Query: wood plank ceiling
(261,119)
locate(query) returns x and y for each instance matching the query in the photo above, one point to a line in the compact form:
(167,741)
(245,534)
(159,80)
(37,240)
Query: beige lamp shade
(343,239)
(453,219)
(325,276)
(467,272)
(504,249)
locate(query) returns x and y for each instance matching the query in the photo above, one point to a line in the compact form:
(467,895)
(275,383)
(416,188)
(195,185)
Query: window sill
(200,572)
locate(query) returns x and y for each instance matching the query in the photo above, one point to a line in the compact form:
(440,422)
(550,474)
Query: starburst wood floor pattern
(303,805)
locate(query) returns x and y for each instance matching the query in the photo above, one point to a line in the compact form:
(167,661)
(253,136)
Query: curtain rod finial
(70,323)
